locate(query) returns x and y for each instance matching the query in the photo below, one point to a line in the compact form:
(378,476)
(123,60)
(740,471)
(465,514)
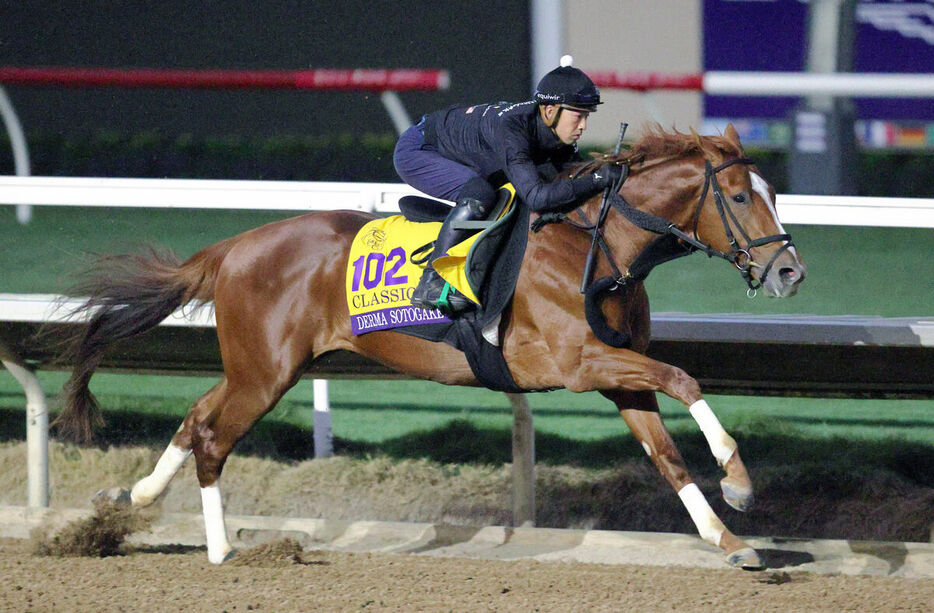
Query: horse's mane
(657,143)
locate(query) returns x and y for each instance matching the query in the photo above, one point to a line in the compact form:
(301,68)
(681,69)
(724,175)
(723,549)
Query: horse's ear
(732,135)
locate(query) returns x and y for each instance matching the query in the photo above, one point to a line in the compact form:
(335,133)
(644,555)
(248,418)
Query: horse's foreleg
(644,373)
(640,412)
(736,486)
(215,529)
(147,489)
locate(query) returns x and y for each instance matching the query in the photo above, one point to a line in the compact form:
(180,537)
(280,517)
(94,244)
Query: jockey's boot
(430,287)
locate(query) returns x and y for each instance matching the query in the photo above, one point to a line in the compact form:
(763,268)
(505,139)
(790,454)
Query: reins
(672,243)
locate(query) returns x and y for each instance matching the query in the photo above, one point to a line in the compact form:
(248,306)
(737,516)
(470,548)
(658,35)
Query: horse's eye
(740,198)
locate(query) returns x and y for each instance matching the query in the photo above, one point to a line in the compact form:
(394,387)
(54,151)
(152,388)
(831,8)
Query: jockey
(460,153)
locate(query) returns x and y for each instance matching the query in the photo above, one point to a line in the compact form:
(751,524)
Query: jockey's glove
(607,176)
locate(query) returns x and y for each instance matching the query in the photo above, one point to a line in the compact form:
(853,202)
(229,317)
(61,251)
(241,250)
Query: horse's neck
(560,251)
(665,188)
(625,240)
(673,202)
(661,187)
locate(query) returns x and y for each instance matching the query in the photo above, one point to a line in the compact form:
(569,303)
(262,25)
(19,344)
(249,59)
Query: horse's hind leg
(242,406)
(147,489)
(640,412)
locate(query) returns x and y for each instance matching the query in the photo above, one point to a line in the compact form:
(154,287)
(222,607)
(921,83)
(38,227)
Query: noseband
(673,243)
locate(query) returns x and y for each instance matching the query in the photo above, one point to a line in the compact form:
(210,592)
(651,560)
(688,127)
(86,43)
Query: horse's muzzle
(785,277)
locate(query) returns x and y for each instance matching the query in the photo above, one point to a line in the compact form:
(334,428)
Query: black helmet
(568,86)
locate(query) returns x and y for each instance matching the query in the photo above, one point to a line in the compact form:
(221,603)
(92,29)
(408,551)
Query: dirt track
(162,580)
(181,579)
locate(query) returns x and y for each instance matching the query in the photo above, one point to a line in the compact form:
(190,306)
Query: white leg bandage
(708,524)
(148,488)
(722,445)
(214,529)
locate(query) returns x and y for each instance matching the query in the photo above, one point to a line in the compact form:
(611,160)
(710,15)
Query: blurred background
(493,50)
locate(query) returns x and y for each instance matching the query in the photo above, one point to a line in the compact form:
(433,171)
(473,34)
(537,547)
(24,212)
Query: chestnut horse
(278,293)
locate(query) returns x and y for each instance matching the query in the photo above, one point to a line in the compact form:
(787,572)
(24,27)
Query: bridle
(738,255)
(672,243)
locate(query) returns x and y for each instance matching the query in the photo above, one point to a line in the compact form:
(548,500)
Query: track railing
(766,84)
(384,197)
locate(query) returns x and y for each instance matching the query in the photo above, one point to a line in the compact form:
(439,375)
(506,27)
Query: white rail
(773,83)
(384,197)
(202,193)
(861,85)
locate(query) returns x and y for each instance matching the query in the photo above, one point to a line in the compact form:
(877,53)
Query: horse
(279,304)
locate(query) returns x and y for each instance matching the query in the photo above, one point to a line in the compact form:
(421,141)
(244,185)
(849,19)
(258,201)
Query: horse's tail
(127,294)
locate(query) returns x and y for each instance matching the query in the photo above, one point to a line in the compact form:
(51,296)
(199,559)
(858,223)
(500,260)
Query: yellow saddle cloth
(381,278)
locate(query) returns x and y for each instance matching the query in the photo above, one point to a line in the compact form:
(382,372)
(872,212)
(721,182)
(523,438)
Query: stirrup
(450,302)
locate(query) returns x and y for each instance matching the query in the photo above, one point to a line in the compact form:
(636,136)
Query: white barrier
(773,83)
(203,193)
(384,197)
(860,85)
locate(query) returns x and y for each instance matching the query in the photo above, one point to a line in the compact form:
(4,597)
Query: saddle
(381,276)
(467,264)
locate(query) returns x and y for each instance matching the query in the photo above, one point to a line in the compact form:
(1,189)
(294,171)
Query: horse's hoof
(745,558)
(221,558)
(738,497)
(115,495)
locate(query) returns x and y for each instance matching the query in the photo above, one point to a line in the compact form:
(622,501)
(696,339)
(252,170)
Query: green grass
(852,271)
(42,256)
(366,412)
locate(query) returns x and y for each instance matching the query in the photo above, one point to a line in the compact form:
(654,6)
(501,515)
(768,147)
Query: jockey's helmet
(569,87)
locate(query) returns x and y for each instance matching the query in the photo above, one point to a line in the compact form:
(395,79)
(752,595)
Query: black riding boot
(430,286)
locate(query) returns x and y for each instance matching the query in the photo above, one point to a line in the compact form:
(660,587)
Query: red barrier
(645,81)
(373,80)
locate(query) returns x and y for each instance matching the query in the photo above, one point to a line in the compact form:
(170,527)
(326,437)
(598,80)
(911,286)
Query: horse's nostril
(788,275)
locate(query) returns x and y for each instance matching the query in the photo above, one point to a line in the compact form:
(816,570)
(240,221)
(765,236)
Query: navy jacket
(509,139)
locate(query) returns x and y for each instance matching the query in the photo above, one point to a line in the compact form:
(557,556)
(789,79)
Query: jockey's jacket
(510,139)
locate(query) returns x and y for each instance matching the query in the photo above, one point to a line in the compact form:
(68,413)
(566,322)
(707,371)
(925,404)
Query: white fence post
(324,440)
(37,432)
(14,130)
